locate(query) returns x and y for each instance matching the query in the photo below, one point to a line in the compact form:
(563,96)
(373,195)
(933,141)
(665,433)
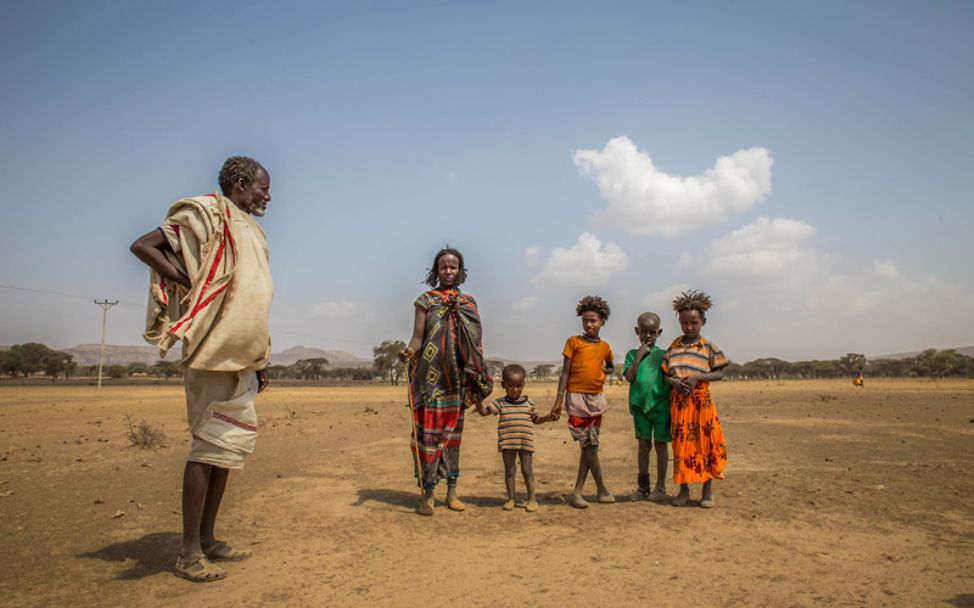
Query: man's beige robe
(222,322)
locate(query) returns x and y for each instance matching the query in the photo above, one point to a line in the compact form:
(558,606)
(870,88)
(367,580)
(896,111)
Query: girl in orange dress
(690,365)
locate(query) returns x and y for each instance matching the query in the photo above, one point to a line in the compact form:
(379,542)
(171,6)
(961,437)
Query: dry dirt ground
(834,495)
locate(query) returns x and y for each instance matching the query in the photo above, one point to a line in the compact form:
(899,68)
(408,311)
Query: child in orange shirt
(587,359)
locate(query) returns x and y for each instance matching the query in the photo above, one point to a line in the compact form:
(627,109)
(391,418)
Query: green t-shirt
(649,390)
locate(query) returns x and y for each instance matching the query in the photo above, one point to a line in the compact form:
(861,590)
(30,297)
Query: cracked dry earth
(834,495)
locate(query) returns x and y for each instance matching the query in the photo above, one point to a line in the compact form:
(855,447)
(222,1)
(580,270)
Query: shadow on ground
(408,500)
(964,600)
(153,553)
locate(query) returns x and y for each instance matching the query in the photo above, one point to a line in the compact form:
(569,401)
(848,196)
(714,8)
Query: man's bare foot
(426,505)
(198,569)
(531,506)
(606,497)
(453,501)
(509,505)
(681,498)
(576,501)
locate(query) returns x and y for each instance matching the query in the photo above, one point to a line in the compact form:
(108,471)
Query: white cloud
(586,263)
(532,255)
(336,310)
(770,248)
(661,301)
(525,303)
(775,294)
(886,269)
(644,200)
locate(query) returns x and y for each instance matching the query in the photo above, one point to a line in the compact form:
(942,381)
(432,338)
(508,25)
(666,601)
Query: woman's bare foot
(426,504)
(576,501)
(509,505)
(606,497)
(531,506)
(453,501)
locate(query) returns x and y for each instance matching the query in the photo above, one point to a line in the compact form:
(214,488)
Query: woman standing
(447,374)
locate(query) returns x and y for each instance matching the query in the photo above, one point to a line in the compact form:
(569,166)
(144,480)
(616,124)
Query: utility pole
(105,305)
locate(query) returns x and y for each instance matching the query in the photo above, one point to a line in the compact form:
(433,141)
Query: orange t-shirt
(588,359)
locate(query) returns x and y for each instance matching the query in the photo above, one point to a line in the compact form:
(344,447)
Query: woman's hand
(406,354)
(691,381)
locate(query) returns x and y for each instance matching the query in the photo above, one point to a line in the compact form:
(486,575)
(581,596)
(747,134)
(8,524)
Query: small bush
(144,434)
(825,397)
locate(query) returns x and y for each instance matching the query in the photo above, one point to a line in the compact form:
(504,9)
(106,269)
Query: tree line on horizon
(25,360)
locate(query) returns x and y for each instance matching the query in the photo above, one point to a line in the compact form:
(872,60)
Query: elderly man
(211,290)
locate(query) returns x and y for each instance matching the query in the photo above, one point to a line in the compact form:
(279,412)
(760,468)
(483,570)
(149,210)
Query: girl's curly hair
(433,277)
(593,304)
(692,300)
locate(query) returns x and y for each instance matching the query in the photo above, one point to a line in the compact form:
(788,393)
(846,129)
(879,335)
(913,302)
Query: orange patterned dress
(699,449)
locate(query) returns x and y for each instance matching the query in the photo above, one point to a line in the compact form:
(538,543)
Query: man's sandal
(198,569)
(222,552)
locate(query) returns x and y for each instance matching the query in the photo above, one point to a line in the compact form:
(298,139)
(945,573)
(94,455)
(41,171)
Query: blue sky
(839,219)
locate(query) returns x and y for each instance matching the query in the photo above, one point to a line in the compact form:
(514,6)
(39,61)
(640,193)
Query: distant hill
(964,350)
(335,357)
(87,354)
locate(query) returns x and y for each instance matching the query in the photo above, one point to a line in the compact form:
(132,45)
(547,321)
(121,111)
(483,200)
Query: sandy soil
(833,495)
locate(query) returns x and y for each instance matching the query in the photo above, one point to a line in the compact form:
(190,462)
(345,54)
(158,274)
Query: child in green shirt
(649,404)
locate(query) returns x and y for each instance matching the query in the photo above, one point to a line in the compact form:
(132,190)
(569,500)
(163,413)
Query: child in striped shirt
(515,433)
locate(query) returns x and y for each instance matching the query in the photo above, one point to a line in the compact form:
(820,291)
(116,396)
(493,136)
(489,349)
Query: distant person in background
(447,374)
(691,364)
(211,289)
(858,380)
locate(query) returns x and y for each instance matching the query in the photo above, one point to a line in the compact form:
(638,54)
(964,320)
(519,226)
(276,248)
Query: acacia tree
(385,360)
(312,369)
(542,371)
(58,363)
(852,362)
(166,369)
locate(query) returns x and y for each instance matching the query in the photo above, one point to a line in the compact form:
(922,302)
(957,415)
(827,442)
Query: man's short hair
(238,168)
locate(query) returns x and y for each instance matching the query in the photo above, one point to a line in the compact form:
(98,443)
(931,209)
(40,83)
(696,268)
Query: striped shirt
(700,357)
(515,426)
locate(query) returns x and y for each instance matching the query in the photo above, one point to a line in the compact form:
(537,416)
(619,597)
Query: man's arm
(151,249)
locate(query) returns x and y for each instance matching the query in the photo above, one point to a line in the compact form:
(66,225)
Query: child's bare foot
(453,501)
(707,500)
(509,505)
(531,506)
(606,497)
(426,505)
(641,494)
(681,498)
(658,495)
(576,501)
